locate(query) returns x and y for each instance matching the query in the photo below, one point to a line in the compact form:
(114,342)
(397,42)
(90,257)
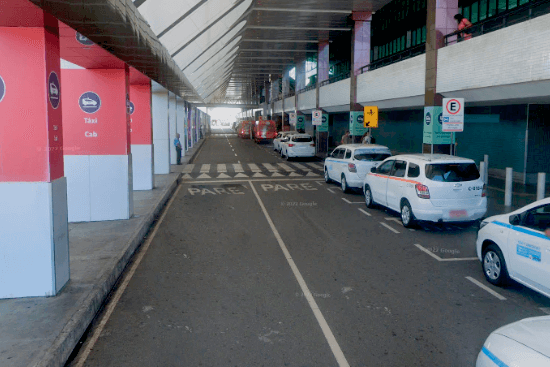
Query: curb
(77,325)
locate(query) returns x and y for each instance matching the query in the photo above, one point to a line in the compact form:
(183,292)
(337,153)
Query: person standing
(177,144)
(462,24)
(346,139)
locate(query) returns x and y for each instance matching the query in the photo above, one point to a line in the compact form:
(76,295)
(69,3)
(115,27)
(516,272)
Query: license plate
(458,213)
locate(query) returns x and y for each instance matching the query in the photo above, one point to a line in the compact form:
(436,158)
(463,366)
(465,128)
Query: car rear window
(369,155)
(452,172)
(302,139)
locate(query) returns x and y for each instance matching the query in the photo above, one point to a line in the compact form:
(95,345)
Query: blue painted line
(493,358)
(522,230)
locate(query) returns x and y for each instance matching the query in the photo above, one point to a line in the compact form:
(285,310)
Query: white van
(430,187)
(349,163)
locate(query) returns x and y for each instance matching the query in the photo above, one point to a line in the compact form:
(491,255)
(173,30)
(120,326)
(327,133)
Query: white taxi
(523,343)
(349,163)
(280,135)
(515,246)
(297,145)
(428,187)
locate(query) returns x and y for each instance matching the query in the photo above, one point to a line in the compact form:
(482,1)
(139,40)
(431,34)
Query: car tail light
(291,145)
(312,145)
(484,191)
(351,167)
(422,191)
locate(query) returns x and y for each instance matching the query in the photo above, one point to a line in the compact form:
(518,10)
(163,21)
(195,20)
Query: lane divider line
(352,202)
(389,227)
(89,345)
(334,346)
(365,212)
(483,286)
(441,259)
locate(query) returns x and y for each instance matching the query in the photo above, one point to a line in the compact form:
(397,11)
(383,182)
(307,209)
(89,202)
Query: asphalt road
(282,269)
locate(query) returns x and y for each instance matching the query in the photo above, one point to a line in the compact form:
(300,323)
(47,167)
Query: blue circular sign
(360,119)
(324,119)
(54,93)
(131,107)
(2,89)
(301,119)
(428,118)
(82,39)
(89,102)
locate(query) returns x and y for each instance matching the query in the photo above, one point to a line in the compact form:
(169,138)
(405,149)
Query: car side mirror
(514,220)
(373,169)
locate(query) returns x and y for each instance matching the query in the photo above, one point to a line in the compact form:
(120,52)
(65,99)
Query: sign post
(370,116)
(292,118)
(453,116)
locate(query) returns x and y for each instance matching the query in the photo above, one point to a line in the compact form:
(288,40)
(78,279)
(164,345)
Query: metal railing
(306,89)
(400,56)
(335,78)
(510,17)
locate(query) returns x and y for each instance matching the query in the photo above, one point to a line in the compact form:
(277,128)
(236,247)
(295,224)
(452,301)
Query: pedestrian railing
(400,56)
(335,78)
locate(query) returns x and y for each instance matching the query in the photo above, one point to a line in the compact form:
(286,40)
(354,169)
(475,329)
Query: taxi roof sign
(370,116)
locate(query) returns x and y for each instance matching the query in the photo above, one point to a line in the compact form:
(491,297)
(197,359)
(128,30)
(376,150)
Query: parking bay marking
(352,202)
(441,259)
(332,192)
(483,286)
(365,212)
(389,227)
(333,344)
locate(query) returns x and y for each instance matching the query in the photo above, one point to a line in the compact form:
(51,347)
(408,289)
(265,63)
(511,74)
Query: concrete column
(180,122)
(99,175)
(300,75)
(172,125)
(323,65)
(161,137)
(141,129)
(34,242)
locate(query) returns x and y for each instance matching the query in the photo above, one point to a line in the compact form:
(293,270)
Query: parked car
(280,135)
(520,344)
(515,246)
(298,145)
(428,187)
(264,130)
(348,164)
(88,102)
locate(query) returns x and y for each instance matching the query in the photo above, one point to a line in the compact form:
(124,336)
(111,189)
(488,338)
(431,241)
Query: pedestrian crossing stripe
(187,175)
(204,175)
(240,175)
(277,174)
(258,174)
(312,174)
(223,175)
(294,174)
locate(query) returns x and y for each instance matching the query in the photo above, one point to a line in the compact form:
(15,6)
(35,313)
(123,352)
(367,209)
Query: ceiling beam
(299,28)
(305,10)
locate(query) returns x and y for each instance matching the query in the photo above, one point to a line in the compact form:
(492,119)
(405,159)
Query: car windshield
(452,172)
(369,155)
(302,139)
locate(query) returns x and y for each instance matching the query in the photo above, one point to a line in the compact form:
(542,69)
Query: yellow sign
(370,118)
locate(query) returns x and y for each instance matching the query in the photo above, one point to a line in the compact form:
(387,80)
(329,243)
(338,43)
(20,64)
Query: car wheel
(368,197)
(344,184)
(327,177)
(287,157)
(407,216)
(494,265)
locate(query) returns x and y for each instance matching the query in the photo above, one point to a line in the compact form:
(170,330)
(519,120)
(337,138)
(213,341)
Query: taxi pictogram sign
(370,118)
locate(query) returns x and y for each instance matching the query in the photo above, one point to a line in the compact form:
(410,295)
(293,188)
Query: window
(399,169)
(348,154)
(385,167)
(369,155)
(414,170)
(512,4)
(501,6)
(492,8)
(537,218)
(452,172)
(302,139)
(474,10)
(482,10)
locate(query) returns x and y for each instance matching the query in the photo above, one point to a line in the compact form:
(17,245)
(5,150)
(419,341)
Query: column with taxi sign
(319,119)
(34,241)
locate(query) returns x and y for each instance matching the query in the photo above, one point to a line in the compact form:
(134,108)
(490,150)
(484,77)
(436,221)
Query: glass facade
(479,10)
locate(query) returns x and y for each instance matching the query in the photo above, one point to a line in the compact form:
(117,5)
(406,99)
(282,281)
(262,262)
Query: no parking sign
(453,115)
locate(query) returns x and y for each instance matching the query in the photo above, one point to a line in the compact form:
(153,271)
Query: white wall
(34,247)
(394,86)
(307,100)
(335,95)
(161,138)
(510,63)
(290,104)
(142,167)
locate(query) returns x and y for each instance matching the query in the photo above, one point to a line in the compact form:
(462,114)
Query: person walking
(177,144)
(346,139)
(462,24)
(365,139)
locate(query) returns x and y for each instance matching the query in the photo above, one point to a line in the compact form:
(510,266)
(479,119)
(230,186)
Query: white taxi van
(297,145)
(523,343)
(349,163)
(428,187)
(515,246)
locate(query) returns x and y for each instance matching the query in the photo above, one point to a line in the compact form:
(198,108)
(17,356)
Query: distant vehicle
(53,90)
(515,246)
(244,129)
(264,130)
(88,102)
(277,140)
(298,145)
(348,164)
(225,123)
(523,343)
(429,187)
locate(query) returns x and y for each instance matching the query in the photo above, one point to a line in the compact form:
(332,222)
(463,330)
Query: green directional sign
(433,132)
